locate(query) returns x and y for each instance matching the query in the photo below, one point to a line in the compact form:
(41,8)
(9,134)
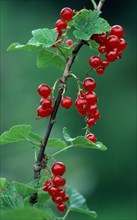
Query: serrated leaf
(26,214)
(66,135)
(8,201)
(29,47)
(64,50)
(44,36)
(49,56)
(23,189)
(3,184)
(77,203)
(83,142)
(93,45)
(56,143)
(15,134)
(87,22)
(35,136)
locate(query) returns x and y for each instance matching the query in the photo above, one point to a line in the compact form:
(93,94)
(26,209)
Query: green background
(107,179)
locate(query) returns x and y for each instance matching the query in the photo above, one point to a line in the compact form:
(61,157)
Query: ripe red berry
(62,207)
(46,103)
(59,31)
(91,98)
(59,181)
(112,42)
(44,90)
(97,115)
(95,61)
(100,70)
(102,48)
(91,137)
(122,45)
(92,109)
(58,168)
(111,56)
(90,121)
(119,54)
(66,14)
(52,190)
(65,198)
(99,38)
(61,192)
(46,185)
(117,30)
(81,103)
(57,200)
(104,63)
(89,84)
(41,112)
(69,42)
(82,112)
(66,102)
(61,24)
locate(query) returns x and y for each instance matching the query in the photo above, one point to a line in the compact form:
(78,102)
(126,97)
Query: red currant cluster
(112,46)
(45,108)
(53,184)
(66,15)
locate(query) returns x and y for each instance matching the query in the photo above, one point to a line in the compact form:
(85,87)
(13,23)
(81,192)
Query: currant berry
(62,207)
(81,103)
(117,30)
(61,24)
(83,111)
(59,31)
(91,98)
(59,181)
(61,192)
(100,70)
(122,45)
(58,168)
(91,137)
(46,103)
(66,14)
(112,42)
(99,38)
(111,56)
(41,112)
(89,84)
(52,190)
(44,90)
(92,109)
(97,115)
(95,61)
(57,200)
(69,42)
(65,198)
(102,48)
(104,63)
(90,121)
(119,54)
(66,102)
(46,185)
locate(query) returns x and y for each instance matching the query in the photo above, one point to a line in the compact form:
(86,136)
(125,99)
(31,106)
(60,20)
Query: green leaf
(49,215)
(23,189)
(93,45)
(49,56)
(83,142)
(77,203)
(29,47)
(8,201)
(3,184)
(42,196)
(35,136)
(44,36)
(64,50)
(15,134)
(87,22)
(26,214)
(54,142)
(66,135)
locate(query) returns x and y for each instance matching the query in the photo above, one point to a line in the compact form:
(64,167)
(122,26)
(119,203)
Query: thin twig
(100,4)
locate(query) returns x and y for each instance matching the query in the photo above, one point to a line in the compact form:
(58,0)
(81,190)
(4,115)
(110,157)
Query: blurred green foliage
(107,179)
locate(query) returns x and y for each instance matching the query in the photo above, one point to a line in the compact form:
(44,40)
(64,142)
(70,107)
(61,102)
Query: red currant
(122,45)
(92,109)
(61,24)
(112,42)
(117,30)
(95,61)
(100,70)
(65,198)
(44,90)
(52,190)
(99,38)
(111,56)
(46,103)
(104,63)
(96,115)
(66,14)
(91,137)
(59,31)
(66,102)
(91,98)
(57,200)
(61,192)
(89,84)
(81,103)
(83,111)
(90,121)
(58,168)
(102,48)
(62,207)
(44,112)
(59,181)
(69,42)
(119,54)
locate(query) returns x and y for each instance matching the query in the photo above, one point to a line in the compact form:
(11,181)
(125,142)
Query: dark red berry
(61,192)
(66,14)
(44,90)
(83,111)
(111,56)
(99,38)
(119,54)
(66,102)
(41,112)
(69,42)
(59,31)
(61,24)
(102,48)
(100,70)
(92,109)
(58,168)
(117,30)
(95,61)
(91,137)
(52,190)
(89,84)
(57,200)
(112,42)
(62,207)
(46,185)
(104,63)
(46,103)
(96,115)
(59,181)
(122,44)
(90,121)
(81,103)
(65,198)
(91,98)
